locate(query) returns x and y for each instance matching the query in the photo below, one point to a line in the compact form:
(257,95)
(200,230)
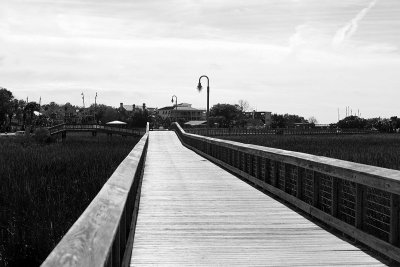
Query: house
(131,109)
(182,112)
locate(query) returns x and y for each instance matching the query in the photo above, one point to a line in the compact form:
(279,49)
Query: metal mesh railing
(377,213)
(347,201)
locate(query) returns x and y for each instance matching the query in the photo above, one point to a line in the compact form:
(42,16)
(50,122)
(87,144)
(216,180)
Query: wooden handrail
(266,131)
(360,200)
(100,235)
(95,127)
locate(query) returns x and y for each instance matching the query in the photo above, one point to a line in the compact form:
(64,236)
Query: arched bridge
(182,199)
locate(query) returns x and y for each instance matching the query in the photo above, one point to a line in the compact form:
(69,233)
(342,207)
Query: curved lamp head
(199,87)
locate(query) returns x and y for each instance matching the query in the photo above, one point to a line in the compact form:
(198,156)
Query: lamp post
(199,87)
(176,106)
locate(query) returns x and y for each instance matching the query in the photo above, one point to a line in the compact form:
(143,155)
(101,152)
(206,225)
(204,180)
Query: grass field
(45,188)
(382,150)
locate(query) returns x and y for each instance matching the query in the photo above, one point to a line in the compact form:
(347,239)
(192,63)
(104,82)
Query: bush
(42,135)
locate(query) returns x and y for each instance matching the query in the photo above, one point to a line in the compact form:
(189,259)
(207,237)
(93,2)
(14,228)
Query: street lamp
(176,106)
(199,87)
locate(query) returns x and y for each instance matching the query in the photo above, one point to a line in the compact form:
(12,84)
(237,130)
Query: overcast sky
(305,57)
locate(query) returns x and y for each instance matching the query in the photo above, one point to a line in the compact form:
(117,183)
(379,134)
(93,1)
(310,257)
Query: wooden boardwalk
(194,213)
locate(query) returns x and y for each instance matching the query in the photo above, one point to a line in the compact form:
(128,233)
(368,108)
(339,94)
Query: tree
(19,113)
(312,120)
(244,105)
(29,109)
(352,122)
(277,121)
(110,114)
(6,98)
(227,114)
(287,120)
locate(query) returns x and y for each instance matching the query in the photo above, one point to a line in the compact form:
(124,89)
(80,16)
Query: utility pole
(83,99)
(338,115)
(95,107)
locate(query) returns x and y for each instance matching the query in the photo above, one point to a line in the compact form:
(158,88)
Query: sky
(304,57)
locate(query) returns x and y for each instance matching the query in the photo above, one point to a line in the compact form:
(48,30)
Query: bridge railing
(103,234)
(266,131)
(95,127)
(359,200)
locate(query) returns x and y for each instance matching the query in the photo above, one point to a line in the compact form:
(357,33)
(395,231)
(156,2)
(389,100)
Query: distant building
(183,111)
(131,109)
(264,116)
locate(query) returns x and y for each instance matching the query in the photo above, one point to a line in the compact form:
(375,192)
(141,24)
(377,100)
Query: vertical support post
(335,195)
(394,219)
(360,195)
(282,174)
(274,173)
(257,167)
(264,164)
(299,182)
(315,189)
(242,161)
(250,164)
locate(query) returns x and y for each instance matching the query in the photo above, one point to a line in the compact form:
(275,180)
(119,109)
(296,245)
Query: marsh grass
(382,150)
(45,188)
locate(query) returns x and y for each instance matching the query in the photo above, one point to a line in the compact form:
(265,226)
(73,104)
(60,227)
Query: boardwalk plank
(194,213)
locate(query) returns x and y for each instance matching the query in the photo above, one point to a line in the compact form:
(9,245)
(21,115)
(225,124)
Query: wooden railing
(103,234)
(94,127)
(359,200)
(266,131)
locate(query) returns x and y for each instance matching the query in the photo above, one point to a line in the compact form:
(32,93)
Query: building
(182,112)
(264,116)
(131,109)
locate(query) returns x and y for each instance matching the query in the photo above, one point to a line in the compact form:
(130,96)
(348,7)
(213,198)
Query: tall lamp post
(199,87)
(176,106)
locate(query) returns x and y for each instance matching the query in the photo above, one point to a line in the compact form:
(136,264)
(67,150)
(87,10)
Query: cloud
(346,32)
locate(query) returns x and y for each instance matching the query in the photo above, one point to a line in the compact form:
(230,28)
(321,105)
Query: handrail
(94,127)
(359,200)
(279,131)
(100,235)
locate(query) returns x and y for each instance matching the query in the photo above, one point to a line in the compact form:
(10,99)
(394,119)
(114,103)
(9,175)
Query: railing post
(315,189)
(299,183)
(282,174)
(335,201)
(394,219)
(274,173)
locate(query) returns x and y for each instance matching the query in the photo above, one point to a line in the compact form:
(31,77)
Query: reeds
(382,150)
(45,188)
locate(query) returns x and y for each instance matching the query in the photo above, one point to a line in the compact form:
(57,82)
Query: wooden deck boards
(194,213)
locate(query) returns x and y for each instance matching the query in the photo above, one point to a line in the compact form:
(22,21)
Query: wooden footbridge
(62,130)
(181,199)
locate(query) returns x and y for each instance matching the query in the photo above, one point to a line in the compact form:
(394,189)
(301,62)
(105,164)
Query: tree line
(25,114)
(379,124)
(228,115)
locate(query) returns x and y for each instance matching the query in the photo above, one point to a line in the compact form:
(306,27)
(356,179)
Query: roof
(195,123)
(181,108)
(116,123)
